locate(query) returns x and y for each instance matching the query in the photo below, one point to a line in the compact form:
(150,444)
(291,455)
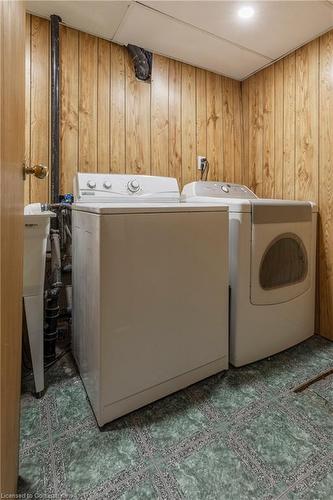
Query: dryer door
(281,247)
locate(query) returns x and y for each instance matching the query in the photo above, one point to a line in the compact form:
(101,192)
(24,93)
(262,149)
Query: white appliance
(272,253)
(36,231)
(150,290)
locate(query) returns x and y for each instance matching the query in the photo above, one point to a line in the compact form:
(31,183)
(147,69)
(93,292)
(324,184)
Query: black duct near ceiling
(55,107)
(142,61)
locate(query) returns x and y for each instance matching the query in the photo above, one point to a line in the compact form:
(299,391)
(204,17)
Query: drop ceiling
(208,34)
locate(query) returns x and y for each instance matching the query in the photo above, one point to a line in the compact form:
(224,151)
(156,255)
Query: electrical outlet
(201,161)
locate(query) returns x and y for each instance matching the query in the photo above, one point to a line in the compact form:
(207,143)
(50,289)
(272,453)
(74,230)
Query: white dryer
(150,290)
(272,263)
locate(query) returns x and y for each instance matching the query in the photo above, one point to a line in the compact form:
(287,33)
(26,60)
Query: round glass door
(284,263)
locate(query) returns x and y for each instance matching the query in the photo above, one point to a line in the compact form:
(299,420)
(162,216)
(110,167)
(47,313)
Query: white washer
(150,290)
(272,253)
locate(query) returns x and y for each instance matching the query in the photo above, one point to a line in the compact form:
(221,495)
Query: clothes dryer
(272,268)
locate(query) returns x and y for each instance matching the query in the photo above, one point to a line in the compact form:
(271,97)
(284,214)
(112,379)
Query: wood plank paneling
(278,129)
(69,107)
(188,124)
(175,124)
(103,107)
(198,114)
(306,182)
(256,133)
(268,133)
(160,116)
(214,126)
(117,127)
(87,102)
(228,153)
(289,123)
(246,132)
(201,106)
(303,145)
(238,132)
(110,121)
(326,185)
(39,95)
(137,122)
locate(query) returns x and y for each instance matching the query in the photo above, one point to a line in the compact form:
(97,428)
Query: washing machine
(150,290)
(272,268)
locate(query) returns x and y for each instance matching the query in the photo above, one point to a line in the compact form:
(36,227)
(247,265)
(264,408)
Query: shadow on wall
(324,298)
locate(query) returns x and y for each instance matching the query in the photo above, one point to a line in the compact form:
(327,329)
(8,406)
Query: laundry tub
(36,231)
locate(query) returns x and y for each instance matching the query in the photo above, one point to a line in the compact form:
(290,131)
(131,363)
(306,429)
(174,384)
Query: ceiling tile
(159,33)
(95,17)
(276,28)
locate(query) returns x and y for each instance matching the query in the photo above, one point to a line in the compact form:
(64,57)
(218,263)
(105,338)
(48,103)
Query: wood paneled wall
(111,122)
(288,144)
(274,132)
(37,97)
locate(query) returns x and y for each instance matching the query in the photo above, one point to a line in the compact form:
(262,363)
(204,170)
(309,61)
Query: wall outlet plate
(201,161)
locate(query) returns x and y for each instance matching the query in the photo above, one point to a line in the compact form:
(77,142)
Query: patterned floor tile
(324,388)
(315,412)
(216,472)
(319,346)
(295,366)
(33,416)
(146,490)
(316,485)
(36,474)
(87,457)
(152,486)
(230,392)
(166,422)
(64,369)
(238,435)
(281,442)
(69,405)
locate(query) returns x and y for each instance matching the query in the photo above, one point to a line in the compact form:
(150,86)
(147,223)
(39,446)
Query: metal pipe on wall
(55,108)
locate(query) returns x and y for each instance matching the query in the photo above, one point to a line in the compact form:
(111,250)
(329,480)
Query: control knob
(91,184)
(107,184)
(133,186)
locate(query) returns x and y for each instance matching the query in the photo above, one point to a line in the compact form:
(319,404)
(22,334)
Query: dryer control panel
(215,189)
(117,188)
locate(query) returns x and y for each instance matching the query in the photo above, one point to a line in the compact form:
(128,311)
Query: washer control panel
(117,188)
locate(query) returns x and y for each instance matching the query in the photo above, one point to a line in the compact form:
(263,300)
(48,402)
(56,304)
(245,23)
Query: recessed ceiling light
(246,12)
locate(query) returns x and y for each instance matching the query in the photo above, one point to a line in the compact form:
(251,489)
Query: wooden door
(12,28)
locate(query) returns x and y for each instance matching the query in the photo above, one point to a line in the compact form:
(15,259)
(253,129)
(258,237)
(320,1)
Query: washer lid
(233,205)
(131,208)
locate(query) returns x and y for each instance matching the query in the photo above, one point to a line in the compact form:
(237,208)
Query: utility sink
(36,231)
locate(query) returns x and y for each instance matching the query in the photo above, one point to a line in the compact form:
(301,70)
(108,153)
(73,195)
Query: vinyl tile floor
(242,434)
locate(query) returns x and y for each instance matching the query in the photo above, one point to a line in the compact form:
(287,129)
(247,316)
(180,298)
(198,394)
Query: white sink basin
(36,230)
